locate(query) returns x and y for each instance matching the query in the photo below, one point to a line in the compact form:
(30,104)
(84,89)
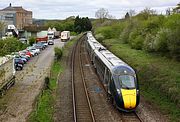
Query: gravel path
(18,102)
(63,105)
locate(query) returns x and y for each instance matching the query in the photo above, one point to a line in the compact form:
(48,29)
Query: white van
(65,35)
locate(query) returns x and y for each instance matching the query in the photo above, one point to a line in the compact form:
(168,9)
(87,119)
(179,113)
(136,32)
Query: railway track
(82,110)
(130,117)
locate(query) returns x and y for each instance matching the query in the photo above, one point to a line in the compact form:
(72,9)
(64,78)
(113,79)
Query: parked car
(45,44)
(23,40)
(39,46)
(33,52)
(33,48)
(51,42)
(25,52)
(24,55)
(22,58)
(18,63)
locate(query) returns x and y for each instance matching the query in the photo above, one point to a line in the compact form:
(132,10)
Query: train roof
(95,44)
(116,65)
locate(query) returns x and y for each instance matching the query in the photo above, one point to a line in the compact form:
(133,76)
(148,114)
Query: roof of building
(14,8)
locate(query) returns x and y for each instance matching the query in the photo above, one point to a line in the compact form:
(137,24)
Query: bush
(174,43)
(99,37)
(124,37)
(10,45)
(149,43)
(58,52)
(74,34)
(32,40)
(160,42)
(137,43)
(111,31)
(107,32)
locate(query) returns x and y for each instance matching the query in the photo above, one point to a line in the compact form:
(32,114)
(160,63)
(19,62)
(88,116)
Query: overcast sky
(61,9)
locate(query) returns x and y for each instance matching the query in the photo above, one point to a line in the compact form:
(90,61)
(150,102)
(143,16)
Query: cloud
(56,9)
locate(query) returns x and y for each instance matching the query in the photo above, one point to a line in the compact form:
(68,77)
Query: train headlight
(137,92)
(118,91)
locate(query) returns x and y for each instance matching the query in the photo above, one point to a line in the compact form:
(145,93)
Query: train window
(127,81)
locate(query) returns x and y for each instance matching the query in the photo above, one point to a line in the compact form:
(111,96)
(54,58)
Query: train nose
(129,98)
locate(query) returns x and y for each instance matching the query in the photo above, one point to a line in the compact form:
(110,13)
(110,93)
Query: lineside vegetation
(150,43)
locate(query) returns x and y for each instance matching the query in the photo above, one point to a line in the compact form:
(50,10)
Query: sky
(61,9)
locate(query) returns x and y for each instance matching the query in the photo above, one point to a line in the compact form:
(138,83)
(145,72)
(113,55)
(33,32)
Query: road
(19,100)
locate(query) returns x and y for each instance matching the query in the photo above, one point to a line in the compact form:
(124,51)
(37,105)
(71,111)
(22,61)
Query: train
(118,78)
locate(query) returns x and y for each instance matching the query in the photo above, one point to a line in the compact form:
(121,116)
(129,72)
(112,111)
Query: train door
(106,78)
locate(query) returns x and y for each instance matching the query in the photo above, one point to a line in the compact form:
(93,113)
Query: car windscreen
(17,60)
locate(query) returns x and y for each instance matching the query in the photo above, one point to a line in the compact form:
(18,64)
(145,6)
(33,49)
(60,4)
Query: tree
(102,14)
(82,24)
(147,13)
(32,40)
(131,12)
(177,9)
(168,11)
(127,16)
(77,24)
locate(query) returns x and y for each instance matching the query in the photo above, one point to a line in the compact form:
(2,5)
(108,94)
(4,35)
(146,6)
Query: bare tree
(101,14)
(168,11)
(149,11)
(111,16)
(132,12)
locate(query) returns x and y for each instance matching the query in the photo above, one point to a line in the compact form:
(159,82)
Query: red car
(28,53)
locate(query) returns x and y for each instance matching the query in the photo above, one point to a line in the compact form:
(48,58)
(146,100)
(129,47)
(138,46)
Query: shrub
(107,32)
(160,42)
(174,43)
(74,34)
(10,45)
(137,43)
(99,37)
(149,43)
(32,40)
(124,37)
(58,52)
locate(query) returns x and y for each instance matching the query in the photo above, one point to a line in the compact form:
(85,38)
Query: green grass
(45,105)
(159,77)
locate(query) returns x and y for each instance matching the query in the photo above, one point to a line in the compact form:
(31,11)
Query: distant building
(16,15)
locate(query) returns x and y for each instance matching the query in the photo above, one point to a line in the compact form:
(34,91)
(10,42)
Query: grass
(159,77)
(45,105)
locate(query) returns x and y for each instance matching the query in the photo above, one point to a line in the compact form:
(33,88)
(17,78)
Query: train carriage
(118,78)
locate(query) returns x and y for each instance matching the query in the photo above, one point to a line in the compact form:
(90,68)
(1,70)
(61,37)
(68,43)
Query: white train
(119,79)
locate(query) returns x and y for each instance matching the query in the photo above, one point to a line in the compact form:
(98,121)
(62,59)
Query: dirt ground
(18,102)
(149,113)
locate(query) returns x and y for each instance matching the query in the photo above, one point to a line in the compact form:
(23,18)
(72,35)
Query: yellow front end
(129,98)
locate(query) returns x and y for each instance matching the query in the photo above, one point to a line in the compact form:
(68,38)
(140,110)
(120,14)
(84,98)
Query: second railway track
(81,103)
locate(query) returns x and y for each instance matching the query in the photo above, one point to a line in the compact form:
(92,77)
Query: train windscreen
(125,81)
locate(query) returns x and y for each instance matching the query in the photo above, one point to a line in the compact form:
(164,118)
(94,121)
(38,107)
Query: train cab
(124,88)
